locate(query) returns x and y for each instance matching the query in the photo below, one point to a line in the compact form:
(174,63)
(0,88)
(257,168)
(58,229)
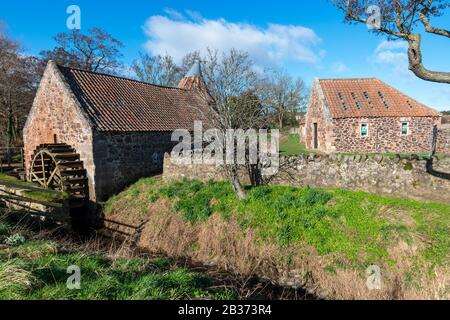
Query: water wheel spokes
(58,167)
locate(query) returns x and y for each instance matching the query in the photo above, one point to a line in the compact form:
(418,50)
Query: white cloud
(391,61)
(392,45)
(339,67)
(176,35)
(393,55)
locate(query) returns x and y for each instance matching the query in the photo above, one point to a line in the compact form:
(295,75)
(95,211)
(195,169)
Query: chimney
(193,80)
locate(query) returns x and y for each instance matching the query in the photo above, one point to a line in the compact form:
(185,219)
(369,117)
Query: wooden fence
(11,158)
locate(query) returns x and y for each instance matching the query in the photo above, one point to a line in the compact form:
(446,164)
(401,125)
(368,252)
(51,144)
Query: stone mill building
(92,134)
(367,116)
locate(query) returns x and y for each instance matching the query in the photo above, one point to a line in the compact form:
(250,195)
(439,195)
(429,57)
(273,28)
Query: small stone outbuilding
(366,116)
(119,127)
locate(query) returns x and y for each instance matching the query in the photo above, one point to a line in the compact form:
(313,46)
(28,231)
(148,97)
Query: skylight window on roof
(367,97)
(409,104)
(386,104)
(341,98)
(358,104)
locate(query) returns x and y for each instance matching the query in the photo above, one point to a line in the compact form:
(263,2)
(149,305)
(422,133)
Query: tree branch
(382,29)
(416,65)
(430,29)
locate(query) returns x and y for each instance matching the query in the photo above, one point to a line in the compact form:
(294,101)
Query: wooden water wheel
(58,167)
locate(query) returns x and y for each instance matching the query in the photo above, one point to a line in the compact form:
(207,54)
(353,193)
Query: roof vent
(341,98)
(382,99)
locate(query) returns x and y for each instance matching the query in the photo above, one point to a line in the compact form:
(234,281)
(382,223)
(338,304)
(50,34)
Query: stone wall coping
(342,157)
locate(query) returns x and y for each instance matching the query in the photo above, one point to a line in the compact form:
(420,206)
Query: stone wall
(384,135)
(56,114)
(320,115)
(123,158)
(407,178)
(112,160)
(443,142)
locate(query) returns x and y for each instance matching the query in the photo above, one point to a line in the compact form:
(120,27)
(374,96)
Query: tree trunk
(415,62)
(10,130)
(255,175)
(280,119)
(236,184)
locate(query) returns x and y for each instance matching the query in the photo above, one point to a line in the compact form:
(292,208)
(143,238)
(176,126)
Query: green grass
(11,180)
(33,191)
(290,145)
(37,270)
(46,196)
(358,226)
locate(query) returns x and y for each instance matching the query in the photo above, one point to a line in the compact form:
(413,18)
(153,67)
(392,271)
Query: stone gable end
(57,117)
(318,113)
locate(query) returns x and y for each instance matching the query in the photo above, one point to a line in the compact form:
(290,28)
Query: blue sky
(306,38)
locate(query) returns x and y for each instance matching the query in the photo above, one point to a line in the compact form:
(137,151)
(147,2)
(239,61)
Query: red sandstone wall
(316,114)
(55,112)
(443,142)
(384,135)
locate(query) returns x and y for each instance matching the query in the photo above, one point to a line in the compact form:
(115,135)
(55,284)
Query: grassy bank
(346,231)
(33,267)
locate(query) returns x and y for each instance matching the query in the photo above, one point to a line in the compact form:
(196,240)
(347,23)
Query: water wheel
(58,167)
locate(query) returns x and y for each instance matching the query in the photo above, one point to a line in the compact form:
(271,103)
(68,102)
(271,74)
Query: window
(405,128)
(386,104)
(409,104)
(364,129)
(357,103)
(366,95)
(341,98)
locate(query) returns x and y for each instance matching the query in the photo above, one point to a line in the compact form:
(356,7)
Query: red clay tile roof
(120,104)
(371,97)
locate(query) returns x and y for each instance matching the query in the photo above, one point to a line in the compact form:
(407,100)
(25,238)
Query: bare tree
(95,51)
(161,70)
(190,59)
(18,83)
(399,19)
(232,83)
(284,95)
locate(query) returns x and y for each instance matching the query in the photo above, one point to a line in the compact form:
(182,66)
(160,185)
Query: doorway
(315,139)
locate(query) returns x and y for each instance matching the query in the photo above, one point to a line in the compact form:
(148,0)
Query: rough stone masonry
(406,178)
(120,127)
